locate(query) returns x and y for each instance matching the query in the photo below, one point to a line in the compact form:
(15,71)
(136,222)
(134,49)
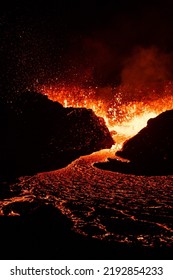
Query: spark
(123,119)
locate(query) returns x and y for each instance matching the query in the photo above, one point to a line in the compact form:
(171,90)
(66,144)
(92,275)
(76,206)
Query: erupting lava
(124,119)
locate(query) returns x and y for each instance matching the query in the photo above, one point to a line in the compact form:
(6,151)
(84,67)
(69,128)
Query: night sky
(85,42)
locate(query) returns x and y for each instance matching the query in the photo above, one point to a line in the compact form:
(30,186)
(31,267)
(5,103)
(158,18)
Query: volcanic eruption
(81,80)
(123,118)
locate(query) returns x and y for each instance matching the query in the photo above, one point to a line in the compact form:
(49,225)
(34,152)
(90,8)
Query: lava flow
(124,118)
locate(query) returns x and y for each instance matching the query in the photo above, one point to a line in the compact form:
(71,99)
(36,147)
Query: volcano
(79,81)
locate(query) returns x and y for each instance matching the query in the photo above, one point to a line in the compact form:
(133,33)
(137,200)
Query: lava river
(105,205)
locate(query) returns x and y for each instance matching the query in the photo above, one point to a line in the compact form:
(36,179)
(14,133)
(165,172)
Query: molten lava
(123,118)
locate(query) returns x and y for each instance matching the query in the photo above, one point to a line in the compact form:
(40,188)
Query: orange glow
(123,118)
(133,126)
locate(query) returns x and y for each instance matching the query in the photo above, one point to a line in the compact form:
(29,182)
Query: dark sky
(98,42)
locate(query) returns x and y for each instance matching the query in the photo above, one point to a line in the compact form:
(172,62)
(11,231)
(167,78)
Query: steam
(146,67)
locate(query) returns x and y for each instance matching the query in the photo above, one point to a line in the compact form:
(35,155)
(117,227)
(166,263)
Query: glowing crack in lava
(123,118)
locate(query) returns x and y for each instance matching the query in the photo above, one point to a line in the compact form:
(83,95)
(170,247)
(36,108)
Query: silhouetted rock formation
(38,134)
(150,152)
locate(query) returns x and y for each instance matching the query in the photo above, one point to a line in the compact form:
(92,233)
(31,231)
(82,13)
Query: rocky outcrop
(150,152)
(38,134)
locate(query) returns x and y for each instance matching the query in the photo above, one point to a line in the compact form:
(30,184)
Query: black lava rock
(38,134)
(150,152)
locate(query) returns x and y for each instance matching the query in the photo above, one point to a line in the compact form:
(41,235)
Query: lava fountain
(124,118)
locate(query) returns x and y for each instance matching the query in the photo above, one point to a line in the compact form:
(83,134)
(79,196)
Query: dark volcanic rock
(41,231)
(38,134)
(150,152)
(153,145)
(7,191)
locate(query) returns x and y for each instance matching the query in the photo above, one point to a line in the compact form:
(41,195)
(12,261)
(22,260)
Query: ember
(123,118)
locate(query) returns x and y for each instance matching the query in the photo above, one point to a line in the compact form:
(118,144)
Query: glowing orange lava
(124,119)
